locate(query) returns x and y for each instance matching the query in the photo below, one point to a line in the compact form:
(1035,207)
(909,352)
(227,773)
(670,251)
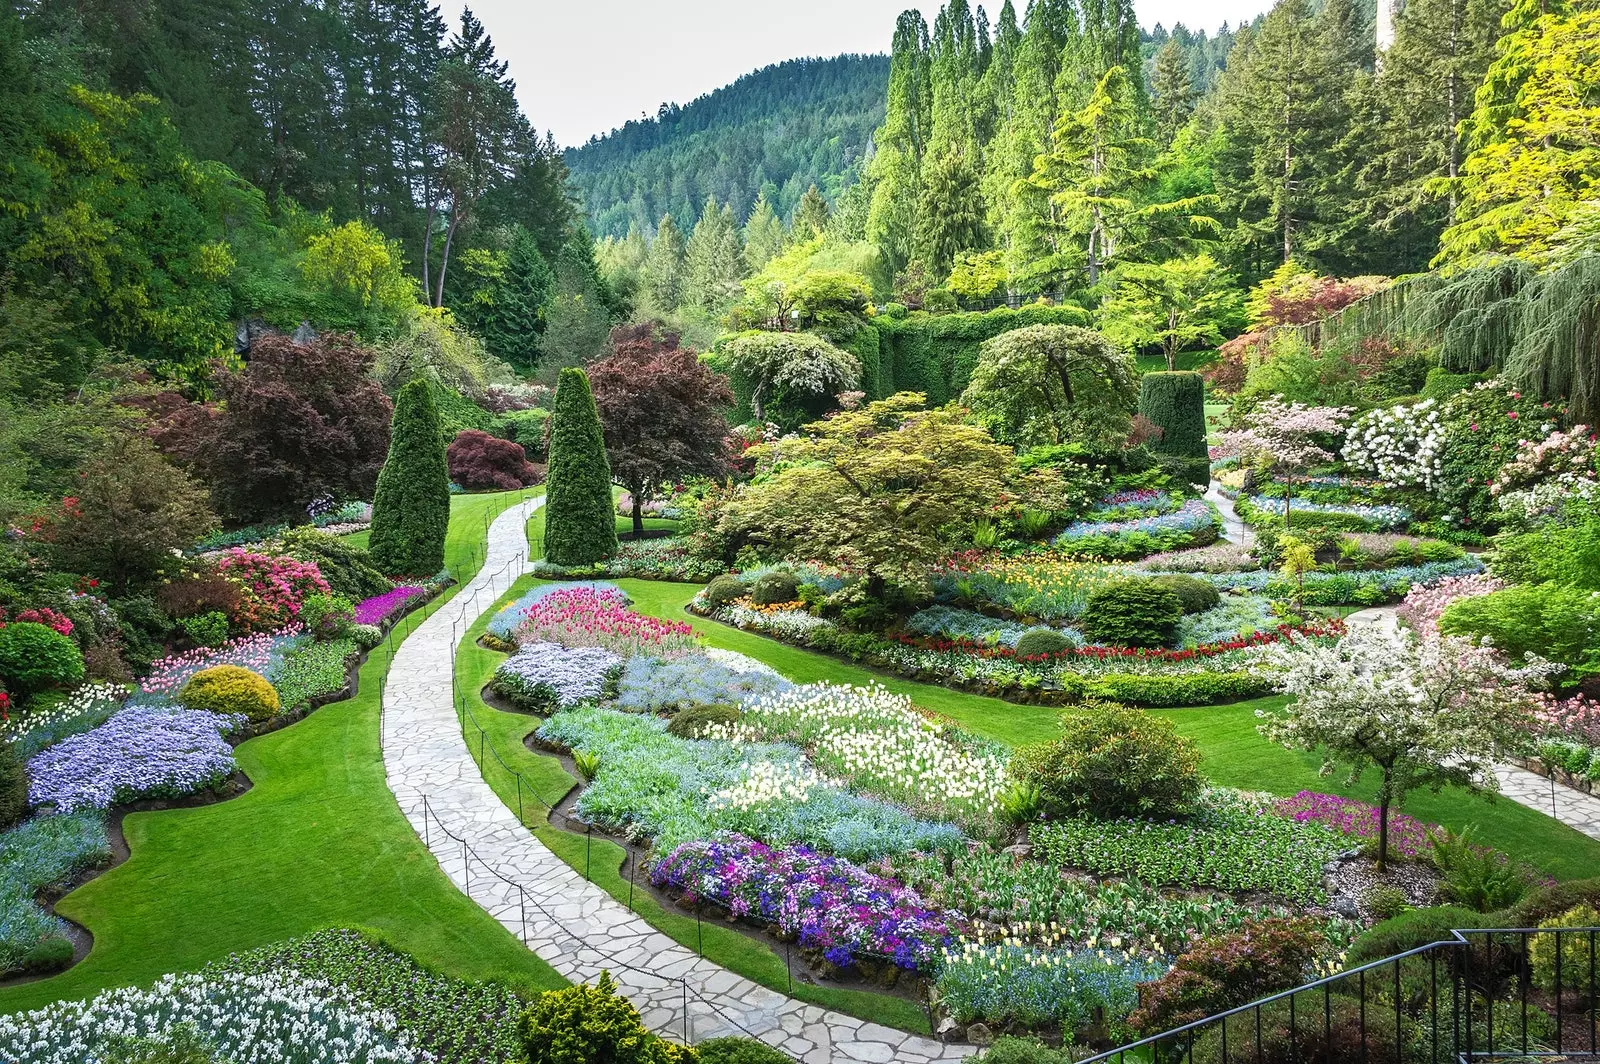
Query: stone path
(576,927)
(1234,530)
(1571,807)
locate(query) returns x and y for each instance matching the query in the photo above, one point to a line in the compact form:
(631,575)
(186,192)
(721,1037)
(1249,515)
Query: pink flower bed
(599,617)
(279,584)
(254,652)
(1358,820)
(379,608)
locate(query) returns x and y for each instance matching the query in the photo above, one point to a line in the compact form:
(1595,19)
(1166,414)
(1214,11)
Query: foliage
(34,657)
(579,527)
(1260,958)
(1175,402)
(1409,930)
(1474,876)
(1178,304)
(1042,642)
(411,507)
(774,587)
(231,690)
(1194,523)
(1195,596)
(13,786)
(1135,613)
(1053,384)
(724,589)
(348,569)
(1549,620)
(738,1051)
(1036,986)
(1576,949)
(481,462)
(692,721)
(792,374)
(1113,761)
(44,852)
(592,1025)
(314,671)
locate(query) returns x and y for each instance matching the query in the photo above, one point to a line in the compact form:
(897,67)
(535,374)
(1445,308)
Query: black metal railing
(1482,995)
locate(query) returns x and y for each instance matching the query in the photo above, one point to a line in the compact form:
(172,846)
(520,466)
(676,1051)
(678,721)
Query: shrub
(1196,596)
(1410,930)
(1261,958)
(202,591)
(274,587)
(1042,642)
(1472,875)
(1176,403)
(1025,1051)
(1551,620)
(207,629)
(740,1051)
(691,723)
(348,569)
(1384,901)
(775,587)
(724,589)
(482,462)
(13,786)
(411,509)
(579,525)
(1574,949)
(1135,613)
(1113,761)
(1343,1033)
(229,689)
(34,657)
(592,1025)
(327,616)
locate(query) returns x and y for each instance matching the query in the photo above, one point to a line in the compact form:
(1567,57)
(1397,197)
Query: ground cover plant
(41,853)
(141,752)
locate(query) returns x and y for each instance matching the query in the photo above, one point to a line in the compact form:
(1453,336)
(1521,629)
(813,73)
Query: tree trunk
(755,404)
(444,257)
(427,245)
(638,515)
(1383,826)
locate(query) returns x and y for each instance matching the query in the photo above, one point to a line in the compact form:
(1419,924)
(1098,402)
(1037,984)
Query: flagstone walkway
(575,926)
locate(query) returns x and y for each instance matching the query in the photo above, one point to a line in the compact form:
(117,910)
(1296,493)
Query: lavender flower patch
(651,685)
(505,622)
(379,608)
(1192,516)
(551,675)
(1382,516)
(142,752)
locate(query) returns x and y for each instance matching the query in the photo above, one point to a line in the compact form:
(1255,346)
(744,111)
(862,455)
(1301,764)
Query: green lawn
(317,842)
(358,539)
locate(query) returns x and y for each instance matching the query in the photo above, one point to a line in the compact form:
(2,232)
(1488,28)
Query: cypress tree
(1176,402)
(411,510)
(579,522)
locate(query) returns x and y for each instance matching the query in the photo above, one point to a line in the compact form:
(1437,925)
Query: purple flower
(139,753)
(379,608)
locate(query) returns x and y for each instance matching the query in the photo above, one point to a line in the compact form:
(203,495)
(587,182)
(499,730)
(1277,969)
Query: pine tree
(810,216)
(901,142)
(952,212)
(764,237)
(663,268)
(1173,92)
(579,519)
(713,259)
(411,508)
(1108,36)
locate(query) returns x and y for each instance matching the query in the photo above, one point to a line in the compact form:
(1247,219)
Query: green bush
(592,1025)
(1134,613)
(1176,402)
(1577,959)
(1472,875)
(739,1051)
(1186,689)
(327,616)
(1441,383)
(1041,643)
(1113,761)
(724,589)
(525,427)
(1196,596)
(1385,902)
(231,689)
(34,657)
(1341,1033)
(1554,621)
(692,722)
(348,569)
(13,786)
(1185,470)
(775,587)
(1543,903)
(1410,930)
(1260,958)
(206,629)
(580,526)
(1010,1050)
(411,509)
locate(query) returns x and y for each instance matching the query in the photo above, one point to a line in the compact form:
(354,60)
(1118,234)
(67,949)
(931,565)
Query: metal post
(522,896)
(633,874)
(588,849)
(686,1010)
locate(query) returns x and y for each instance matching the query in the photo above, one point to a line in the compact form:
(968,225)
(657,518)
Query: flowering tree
(1283,437)
(799,367)
(1401,445)
(1423,712)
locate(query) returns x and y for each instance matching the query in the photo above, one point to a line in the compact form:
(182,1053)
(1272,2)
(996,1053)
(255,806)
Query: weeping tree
(1053,384)
(1557,349)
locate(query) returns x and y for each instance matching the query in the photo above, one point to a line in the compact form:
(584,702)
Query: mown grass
(317,842)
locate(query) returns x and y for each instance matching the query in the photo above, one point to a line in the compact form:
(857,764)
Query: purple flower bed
(832,905)
(1358,820)
(379,608)
(1190,517)
(139,753)
(561,676)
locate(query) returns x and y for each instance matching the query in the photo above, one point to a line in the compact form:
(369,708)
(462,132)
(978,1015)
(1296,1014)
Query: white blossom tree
(1283,437)
(1423,712)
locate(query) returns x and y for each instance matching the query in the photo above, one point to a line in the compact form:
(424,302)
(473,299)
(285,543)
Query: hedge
(411,509)
(1177,403)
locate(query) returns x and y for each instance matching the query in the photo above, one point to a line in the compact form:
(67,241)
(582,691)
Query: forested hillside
(779,129)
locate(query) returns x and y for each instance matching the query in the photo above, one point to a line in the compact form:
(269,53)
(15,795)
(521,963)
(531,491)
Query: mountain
(783,128)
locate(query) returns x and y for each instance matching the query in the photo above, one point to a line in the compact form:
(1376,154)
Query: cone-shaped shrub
(411,510)
(1177,403)
(579,521)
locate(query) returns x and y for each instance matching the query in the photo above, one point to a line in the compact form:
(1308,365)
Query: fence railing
(1481,995)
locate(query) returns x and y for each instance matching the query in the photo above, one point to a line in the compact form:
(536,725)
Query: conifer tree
(902,141)
(952,211)
(411,508)
(764,237)
(1172,90)
(580,522)
(811,215)
(663,268)
(713,259)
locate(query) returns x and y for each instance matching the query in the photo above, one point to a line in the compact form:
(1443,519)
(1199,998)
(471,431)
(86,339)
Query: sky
(584,68)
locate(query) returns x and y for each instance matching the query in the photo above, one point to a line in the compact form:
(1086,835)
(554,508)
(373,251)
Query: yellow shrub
(231,689)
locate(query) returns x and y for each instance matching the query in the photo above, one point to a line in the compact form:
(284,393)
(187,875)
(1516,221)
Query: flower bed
(1217,558)
(655,785)
(142,752)
(1037,986)
(661,559)
(1235,617)
(312,671)
(87,707)
(1233,844)
(655,685)
(1046,586)
(950,623)
(379,609)
(1370,587)
(260,653)
(274,1018)
(546,676)
(588,616)
(41,853)
(825,903)
(1194,524)
(1408,836)
(505,622)
(1381,517)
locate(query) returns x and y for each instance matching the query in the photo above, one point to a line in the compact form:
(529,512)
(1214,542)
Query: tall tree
(811,215)
(663,267)
(411,509)
(1173,90)
(902,142)
(764,237)
(713,260)
(580,526)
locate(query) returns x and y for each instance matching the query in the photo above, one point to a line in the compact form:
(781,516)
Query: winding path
(575,926)
(1234,530)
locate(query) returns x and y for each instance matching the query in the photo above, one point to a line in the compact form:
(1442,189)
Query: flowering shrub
(1424,604)
(1402,445)
(1355,820)
(548,675)
(273,1018)
(88,706)
(59,622)
(275,585)
(1575,719)
(139,753)
(1035,986)
(827,903)
(1572,453)
(587,616)
(660,508)
(1217,558)
(1193,524)
(379,608)
(1235,842)
(41,853)
(652,685)
(661,559)
(655,785)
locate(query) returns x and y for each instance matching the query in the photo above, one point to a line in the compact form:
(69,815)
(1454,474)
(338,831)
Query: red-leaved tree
(663,412)
(483,462)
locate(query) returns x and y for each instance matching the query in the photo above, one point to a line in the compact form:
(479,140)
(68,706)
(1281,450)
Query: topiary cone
(411,509)
(579,523)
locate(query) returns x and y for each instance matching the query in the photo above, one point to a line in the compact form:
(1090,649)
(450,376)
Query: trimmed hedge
(1133,613)
(580,525)
(1177,403)
(229,689)
(411,509)
(34,657)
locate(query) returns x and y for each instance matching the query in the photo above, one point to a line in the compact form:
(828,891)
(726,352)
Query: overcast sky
(585,68)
